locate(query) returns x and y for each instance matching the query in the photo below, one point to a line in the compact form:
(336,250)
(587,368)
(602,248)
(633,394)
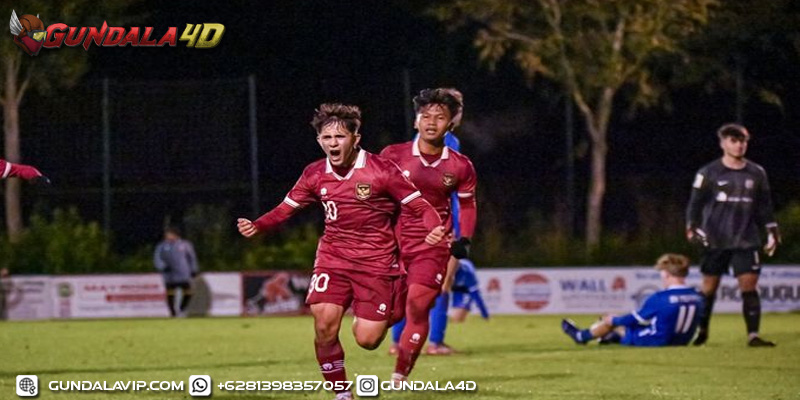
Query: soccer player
(176,260)
(26,172)
(356,261)
(729,205)
(464,291)
(667,318)
(442,301)
(438,172)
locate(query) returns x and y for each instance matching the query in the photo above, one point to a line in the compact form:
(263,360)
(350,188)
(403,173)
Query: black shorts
(183,285)
(719,262)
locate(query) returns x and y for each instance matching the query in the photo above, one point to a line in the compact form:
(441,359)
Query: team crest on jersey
(363,191)
(448,179)
(748,183)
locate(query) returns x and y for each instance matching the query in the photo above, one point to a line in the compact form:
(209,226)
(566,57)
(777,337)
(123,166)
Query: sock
(397,330)
(705,313)
(751,309)
(331,361)
(584,335)
(187,296)
(171,302)
(438,319)
(419,302)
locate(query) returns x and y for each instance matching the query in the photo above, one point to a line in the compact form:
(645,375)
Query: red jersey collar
(415,152)
(361,162)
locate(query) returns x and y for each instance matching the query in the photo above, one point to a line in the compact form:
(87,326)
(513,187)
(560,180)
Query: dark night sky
(307,52)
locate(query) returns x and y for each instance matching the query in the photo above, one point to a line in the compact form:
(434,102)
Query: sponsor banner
(217,294)
(25,297)
(617,289)
(274,292)
(109,296)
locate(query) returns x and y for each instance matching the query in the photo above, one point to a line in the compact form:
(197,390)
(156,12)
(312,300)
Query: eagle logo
(363,191)
(28,31)
(448,179)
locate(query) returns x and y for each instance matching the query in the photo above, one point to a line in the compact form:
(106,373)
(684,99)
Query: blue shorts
(461,300)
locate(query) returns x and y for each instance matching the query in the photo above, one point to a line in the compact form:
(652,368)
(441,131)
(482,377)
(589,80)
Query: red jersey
(359,211)
(5,169)
(452,172)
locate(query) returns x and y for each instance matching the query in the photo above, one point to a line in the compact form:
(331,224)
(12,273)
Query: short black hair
(443,96)
(336,113)
(174,229)
(733,130)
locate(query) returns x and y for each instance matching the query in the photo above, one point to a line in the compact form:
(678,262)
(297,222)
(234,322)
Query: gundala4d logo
(28,32)
(30,35)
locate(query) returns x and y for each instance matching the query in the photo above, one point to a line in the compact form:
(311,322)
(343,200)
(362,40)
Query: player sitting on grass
(667,318)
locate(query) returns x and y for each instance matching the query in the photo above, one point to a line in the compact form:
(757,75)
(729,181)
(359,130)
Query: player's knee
(369,341)
(458,316)
(417,310)
(325,332)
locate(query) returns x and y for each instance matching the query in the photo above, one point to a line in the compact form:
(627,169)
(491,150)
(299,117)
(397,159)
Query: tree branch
(25,83)
(23,88)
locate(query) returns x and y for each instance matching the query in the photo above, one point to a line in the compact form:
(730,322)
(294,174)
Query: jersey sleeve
(765,212)
(388,154)
(302,194)
(639,317)
(26,172)
(700,192)
(5,169)
(397,185)
(467,204)
(467,182)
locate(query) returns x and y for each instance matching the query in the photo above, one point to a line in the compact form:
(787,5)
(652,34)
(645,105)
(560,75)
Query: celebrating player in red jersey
(26,172)
(438,172)
(356,261)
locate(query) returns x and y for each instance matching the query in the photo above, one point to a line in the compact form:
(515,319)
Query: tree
(748,47)
(594,48)
(62,67)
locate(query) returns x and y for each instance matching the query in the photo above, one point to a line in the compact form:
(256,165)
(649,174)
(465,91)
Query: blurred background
(137,137)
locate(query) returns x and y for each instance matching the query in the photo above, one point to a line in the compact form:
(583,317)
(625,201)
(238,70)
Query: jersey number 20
(331,212)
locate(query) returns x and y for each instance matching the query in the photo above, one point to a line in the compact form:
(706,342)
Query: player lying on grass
(356,263)
(667,318)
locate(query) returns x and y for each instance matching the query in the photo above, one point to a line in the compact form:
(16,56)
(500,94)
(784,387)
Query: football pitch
(521,357)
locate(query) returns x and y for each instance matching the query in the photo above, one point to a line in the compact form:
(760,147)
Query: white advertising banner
(617,289)
(26,297)
(109,296)
(225,293)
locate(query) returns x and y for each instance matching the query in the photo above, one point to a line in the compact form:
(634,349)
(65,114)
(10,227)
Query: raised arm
(300,196)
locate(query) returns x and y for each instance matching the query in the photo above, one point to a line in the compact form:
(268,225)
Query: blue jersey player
(464,292)
(667,318)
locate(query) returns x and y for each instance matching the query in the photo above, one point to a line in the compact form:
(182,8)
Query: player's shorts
(719,262)
(183,285)
(643,336)
(373,297)
(461,300)
(427,267)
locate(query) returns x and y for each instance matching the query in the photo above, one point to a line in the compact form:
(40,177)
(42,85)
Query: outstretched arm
(22,171)
(300,196)
(267,222)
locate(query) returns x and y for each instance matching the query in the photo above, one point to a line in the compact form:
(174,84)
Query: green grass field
(508,357)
